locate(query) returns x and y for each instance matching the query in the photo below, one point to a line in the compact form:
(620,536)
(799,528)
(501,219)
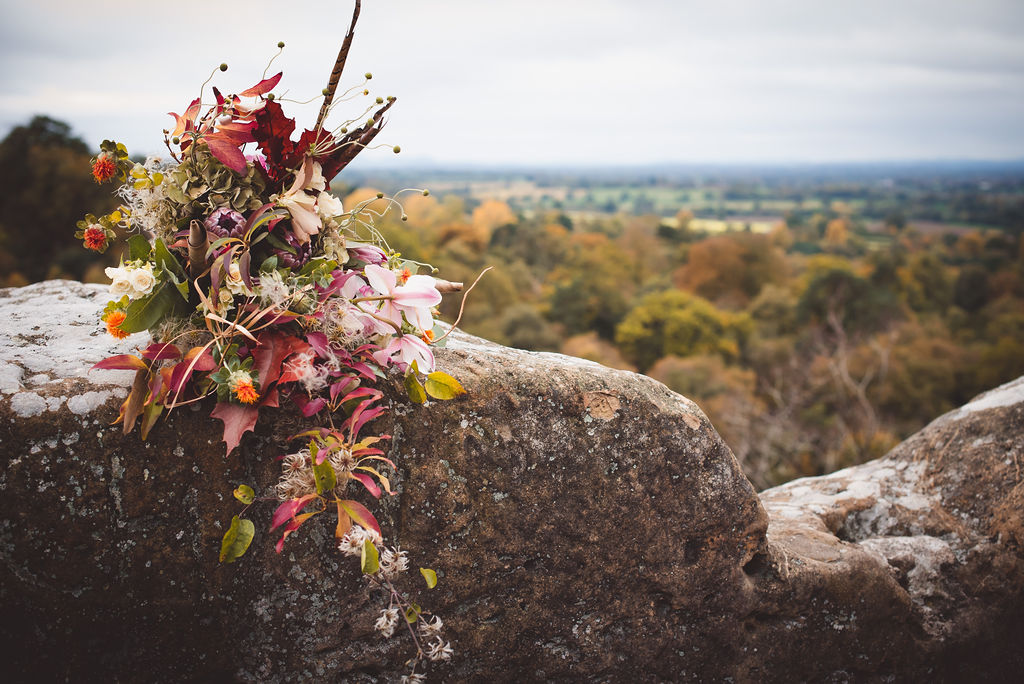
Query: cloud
(542,82)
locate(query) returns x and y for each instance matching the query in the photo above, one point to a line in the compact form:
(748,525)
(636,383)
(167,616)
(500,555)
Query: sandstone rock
(587,524)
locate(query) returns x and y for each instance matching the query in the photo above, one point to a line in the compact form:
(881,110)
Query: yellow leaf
(440,385)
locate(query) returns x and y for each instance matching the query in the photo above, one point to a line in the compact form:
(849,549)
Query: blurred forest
(815,334)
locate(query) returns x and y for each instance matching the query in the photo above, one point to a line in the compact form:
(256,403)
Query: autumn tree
(678,323)
(730,270)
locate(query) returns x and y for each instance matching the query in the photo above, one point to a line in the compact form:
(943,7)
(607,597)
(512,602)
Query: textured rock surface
(589,524)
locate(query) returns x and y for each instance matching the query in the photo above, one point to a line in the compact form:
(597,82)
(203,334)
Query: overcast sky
(548,82)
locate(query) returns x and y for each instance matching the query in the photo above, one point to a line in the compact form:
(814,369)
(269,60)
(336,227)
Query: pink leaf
(364,370)
(318,341)
(365,418)
(363,392)
(238,420)
(368,482)
(121,362)
(340,386)
(264,86)
(310,408)
(291,527)
(228,154)
(288,509)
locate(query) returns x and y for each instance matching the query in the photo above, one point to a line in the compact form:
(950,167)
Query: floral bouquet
(259,287)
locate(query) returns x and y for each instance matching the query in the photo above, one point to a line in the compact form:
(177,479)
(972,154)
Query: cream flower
(120,285)
(329,206)
(142,280)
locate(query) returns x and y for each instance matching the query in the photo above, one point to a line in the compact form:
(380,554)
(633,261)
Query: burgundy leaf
(161,352)
(238,420)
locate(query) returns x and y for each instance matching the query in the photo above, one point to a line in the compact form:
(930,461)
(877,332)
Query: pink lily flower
(415,298)
(402,351)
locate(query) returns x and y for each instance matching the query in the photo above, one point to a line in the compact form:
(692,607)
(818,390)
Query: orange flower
(245,392)
(404,275)
(427,336)
(104,168)
(95,237)
(114,319)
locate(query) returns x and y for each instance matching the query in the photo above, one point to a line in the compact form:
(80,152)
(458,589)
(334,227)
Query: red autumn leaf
(363,392)
(238,420)
(273,134)
(308,407)
(183,370)
(237,130)
(227,152)
(121,362)
(288,509)
(364,418)
(293,367)
(368,482)
(360,514)
(274,348)
(185,122)
(161,352)
(291,527)
(264,86)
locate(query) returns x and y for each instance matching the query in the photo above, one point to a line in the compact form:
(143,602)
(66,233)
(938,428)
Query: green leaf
(325,478)
(415,388)
(143,314)
(236,540)
(166,259)
(245,494)
(370,560)
(439,335)
(138,248)
(430,576)
(412,613)
(440,385)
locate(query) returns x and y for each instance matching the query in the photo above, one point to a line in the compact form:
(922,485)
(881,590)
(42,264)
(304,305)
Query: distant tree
(839,297)
(47,188)
(971,290)
(678,323)
(730,270)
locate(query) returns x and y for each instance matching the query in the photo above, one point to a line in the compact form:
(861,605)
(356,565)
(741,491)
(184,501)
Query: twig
(339,66)
(462,306)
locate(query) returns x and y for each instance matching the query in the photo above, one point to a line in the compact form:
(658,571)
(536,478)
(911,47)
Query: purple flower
(297,256)
(225,222)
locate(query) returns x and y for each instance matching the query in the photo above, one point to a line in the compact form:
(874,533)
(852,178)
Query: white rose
(121,287)
(142,280)
(116,273)
(329,206)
